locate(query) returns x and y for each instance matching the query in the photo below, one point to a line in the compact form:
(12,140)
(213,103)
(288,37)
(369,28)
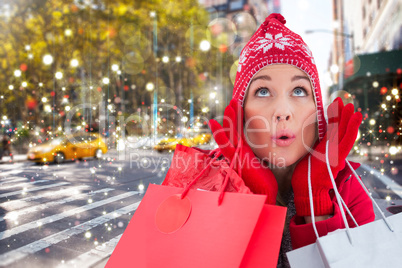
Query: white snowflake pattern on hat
(243,58)
(308,52)
(279,40)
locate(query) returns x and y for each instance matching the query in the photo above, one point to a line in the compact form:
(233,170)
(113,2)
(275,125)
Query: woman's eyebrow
(263,77)
(298,77)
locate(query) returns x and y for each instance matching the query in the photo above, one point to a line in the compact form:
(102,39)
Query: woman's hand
(257,177)
(343,125)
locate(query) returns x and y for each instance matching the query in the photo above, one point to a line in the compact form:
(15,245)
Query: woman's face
(280,115)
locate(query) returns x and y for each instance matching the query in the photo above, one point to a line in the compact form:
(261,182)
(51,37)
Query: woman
(278,91)
(276,118)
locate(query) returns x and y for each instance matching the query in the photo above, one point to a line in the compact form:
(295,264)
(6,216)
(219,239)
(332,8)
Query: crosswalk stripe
(30,225)
(24,251)
(12,179)
(15,213)
(19,203)
(13,171)
(93,256)
(64,173)
(33,189)
(21,184)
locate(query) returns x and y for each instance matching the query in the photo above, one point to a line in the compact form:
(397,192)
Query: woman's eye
(299,92)
(262,92)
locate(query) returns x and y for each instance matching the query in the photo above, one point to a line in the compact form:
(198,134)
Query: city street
(102,92)
(73,214)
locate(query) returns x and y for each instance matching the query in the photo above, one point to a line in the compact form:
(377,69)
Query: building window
(371,18)
(364,12)
(378,4)
(235,4)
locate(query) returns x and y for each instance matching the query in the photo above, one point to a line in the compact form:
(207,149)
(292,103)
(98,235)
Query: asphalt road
(73,214)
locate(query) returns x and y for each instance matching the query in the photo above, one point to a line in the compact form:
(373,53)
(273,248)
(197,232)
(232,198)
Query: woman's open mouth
(284,138)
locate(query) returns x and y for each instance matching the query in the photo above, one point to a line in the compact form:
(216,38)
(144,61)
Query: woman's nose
(282,117)
(282,109)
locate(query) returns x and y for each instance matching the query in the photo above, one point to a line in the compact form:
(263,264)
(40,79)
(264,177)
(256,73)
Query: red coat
(355,198)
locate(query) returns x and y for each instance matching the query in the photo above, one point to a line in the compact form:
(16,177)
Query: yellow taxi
(189,142)
(167,144)
(202,138)
(72,147)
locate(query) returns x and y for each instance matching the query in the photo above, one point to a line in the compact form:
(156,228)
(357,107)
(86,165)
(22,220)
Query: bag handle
(339,198)
(350,213)
(369,195)
(199,175)
(217,152)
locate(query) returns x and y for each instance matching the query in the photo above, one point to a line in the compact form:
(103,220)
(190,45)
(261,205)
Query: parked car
(202,138)
(73,147)
(189,142)
(169,144)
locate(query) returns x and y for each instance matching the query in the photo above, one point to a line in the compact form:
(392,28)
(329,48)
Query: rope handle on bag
(225,181)
(311,202)
(372,199)
(339,198)
(350,213)
(198,176)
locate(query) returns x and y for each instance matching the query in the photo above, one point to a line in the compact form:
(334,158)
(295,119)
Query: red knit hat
(273,43)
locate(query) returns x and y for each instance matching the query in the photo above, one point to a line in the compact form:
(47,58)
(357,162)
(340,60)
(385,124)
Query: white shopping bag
(376,244)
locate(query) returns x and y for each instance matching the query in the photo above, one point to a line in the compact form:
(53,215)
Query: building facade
(376,24)
(362,27)
(367,49)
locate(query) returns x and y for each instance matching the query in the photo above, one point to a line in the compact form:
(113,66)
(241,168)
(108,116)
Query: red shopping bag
(188,163)
(195,231)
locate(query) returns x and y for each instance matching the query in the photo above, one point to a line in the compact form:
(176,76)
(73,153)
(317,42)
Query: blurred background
(125,81)
(83,64)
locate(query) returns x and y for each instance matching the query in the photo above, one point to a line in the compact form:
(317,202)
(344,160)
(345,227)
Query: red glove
(258,178)
(343,125)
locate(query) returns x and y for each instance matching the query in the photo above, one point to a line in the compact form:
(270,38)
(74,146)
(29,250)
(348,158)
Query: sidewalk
(17,158)
(370,153)
(102,263)
(23,157)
